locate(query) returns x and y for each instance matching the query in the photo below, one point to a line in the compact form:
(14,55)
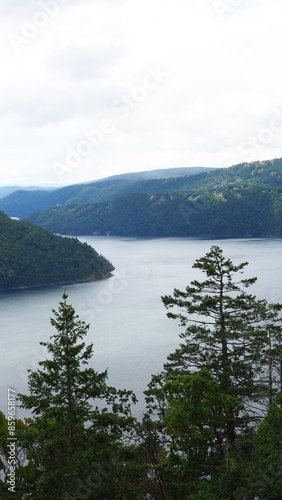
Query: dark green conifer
(76,441)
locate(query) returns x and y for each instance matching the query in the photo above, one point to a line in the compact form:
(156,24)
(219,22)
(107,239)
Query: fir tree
(75,443)
(203,404)
(225,327)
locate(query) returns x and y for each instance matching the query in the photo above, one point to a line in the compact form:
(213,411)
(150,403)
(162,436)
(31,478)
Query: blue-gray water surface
(129,328)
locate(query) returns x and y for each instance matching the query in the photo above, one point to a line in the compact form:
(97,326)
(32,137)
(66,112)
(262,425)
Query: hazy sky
(92,88)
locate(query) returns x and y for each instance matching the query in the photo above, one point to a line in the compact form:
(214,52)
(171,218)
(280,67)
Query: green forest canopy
(240,201)
(31,256)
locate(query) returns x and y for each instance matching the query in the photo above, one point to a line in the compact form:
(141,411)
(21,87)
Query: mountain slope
(267,173)
(6,190)
(230,212)
(31,256)
(242,200)
(22,203)
(160,173)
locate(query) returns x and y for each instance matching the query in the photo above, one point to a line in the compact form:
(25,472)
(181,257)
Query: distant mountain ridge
(6,190)
(243,200)
(22,202)
(159,173)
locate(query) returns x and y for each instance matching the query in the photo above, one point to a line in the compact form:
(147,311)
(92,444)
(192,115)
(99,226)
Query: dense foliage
(31,256)
(208,184)
(243,200)
(200,437)
(226,328)
(22,202)
(253,211)
(207,404)
(70,433)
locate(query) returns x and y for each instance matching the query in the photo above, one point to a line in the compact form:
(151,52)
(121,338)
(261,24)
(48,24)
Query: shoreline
(86,280)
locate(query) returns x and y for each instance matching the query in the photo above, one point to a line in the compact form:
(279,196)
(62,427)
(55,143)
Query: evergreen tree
(187,426)
(202,407)
(226,330)
(273,353)
(74,441)
(197,414)
(266,467)
(260,469)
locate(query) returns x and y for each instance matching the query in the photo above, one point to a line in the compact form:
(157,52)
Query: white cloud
(88,58)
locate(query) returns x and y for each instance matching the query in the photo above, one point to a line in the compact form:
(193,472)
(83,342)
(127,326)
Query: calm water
(129,328)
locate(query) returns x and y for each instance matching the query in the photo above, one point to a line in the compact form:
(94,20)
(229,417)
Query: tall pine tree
(213,388)
(225,327)
(75,440)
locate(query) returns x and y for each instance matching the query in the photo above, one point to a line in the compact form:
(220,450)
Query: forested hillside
(31,256)
(6,190)
(242,200)
(22,203)
(230,211)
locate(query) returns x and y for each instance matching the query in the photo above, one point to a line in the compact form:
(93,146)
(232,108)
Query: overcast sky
(92,88)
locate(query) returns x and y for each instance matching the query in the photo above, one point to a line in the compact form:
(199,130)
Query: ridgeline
(240,201)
